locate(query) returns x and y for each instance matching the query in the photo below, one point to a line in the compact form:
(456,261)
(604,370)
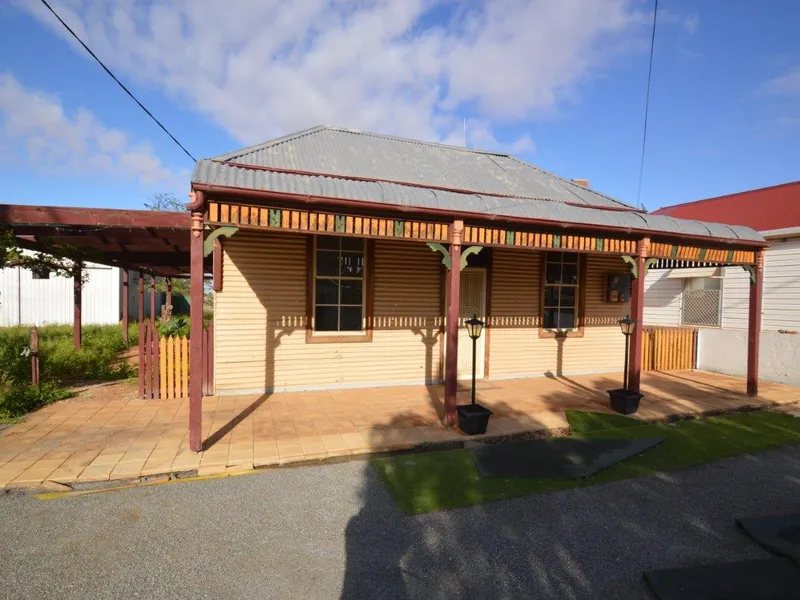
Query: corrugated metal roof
(213,172)
(775,207)
(348,152)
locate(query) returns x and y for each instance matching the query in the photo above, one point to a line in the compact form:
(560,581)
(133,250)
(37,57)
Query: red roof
(775,207)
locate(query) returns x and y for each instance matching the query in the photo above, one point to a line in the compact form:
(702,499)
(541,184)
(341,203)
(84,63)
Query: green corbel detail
(437,247)
(632,262)
(274,217)
(752,270)
(208,243)
(598,244)
(702,255)
(339,223)
(465,254)
(399,228)
(557,240)
(649,263)
(510,238)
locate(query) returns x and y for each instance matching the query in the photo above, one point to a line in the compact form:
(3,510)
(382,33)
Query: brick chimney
(581,182)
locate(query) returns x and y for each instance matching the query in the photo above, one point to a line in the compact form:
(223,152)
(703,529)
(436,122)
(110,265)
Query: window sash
(339,280)
(559,310)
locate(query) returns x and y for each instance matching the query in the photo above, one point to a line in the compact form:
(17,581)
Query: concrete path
(333,531)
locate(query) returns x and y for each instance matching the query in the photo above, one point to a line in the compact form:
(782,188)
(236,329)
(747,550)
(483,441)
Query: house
(347,259)
(343,258)
(715,299)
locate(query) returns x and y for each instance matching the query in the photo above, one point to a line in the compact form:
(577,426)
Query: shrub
(20,399)
(59,362)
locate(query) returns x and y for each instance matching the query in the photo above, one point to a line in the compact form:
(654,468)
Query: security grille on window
(561,291)
(339,284)
(702,299)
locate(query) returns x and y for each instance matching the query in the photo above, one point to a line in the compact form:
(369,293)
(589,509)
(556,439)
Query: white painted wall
(780,303)
(28,301)
(662,299)
(725,351)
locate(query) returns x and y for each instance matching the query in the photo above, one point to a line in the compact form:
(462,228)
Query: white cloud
(787,84)
(53,141)
(263,69)
(691,23)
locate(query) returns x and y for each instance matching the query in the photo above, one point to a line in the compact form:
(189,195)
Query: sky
(558,84)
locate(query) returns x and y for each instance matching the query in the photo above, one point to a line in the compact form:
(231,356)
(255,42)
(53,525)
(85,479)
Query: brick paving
(117,437)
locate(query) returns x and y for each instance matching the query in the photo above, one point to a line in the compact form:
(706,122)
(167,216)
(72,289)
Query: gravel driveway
(333,531)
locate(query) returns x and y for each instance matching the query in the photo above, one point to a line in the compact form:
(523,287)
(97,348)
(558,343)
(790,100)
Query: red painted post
(637,313)
(125,293)
(140,311)
(146,362)
(453,303)
(155,366)
(35,356)
(152,299)
(77,293)
(754,324)
(196,328)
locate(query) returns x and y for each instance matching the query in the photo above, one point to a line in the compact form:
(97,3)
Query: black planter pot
(624,401)
(473,418)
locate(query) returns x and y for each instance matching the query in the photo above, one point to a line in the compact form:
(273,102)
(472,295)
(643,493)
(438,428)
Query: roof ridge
(724,196)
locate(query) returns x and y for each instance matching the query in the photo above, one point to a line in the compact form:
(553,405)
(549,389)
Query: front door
(473,302)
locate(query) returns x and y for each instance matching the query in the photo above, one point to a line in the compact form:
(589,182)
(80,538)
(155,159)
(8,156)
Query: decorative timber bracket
(208,243)
(751,269)
(631,260)
(446,261)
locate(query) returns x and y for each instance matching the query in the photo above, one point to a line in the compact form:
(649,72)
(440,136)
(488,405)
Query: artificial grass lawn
(422,483)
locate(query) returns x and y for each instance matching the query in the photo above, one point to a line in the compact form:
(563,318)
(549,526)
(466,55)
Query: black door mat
(558,458)
(760,579)
(779,534)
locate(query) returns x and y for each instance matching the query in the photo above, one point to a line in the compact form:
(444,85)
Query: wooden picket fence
(669,349)
(164,364)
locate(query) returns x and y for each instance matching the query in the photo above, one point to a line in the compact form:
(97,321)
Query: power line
(647,103)
(114,77)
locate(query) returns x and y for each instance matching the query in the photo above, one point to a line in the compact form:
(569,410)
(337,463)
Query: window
(339,284)
(702,299)
(561,291)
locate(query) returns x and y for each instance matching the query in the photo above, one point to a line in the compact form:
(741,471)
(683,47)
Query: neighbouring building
(715,299)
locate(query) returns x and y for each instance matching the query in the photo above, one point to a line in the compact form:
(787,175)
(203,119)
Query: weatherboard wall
(516,348)
(260,319)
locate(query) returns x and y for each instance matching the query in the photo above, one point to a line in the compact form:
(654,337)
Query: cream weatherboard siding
(260,319)
(516,350)
(662,299)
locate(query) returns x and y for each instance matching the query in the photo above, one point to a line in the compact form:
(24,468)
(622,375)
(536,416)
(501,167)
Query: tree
(57,260)
(165,201)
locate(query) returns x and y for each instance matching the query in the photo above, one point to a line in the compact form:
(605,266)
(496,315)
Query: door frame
(483,345)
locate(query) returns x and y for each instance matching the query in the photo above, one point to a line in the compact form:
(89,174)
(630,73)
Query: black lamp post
(627,325)
(474,329)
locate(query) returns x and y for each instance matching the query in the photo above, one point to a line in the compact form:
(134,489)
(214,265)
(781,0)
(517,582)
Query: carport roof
(151,241)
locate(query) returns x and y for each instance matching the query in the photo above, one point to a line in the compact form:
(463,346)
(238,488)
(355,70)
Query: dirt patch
(125,389)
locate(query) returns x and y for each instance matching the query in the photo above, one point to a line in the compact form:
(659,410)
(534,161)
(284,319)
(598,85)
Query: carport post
(196,324)
(152,300)
(125,292)
(77,299)
(637,314)
(169,292)
(453,304)
(140,313)
(754,324)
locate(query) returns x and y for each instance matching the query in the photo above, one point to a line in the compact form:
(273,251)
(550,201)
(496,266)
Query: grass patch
(422,483)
